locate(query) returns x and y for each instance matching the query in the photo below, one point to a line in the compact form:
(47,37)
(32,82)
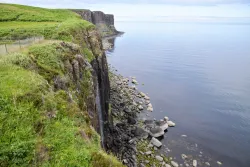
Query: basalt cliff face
(104,22)
(55,95)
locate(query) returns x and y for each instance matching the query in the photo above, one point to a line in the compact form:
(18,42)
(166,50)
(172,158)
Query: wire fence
(18,44)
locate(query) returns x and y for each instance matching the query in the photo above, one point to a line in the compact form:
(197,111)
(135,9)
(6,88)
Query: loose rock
(156,132)
(171,123)
(148,152)
(140,107)
(194,163)
(159,158)
(207,163)
(174,164)
(150,109)
(156,142)
(219,163)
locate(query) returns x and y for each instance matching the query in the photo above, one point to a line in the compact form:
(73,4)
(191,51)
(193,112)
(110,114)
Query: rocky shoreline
(136,139)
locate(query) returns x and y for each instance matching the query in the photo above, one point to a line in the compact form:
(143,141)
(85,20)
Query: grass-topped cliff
(18,22)
(47,90)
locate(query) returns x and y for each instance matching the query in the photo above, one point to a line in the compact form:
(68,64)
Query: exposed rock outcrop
(104,22)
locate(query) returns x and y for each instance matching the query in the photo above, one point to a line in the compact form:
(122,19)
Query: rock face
(104,22)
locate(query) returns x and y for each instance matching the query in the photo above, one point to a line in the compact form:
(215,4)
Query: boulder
(162,124)
(134,81)
(194,163)
(219,163)
(140,133)
(148,152)
(183,156)
(174,164)
(150,105)
(156,131)
(150,109)
(142,94)
(171,123)
(146,98)
(149,122)
(140,107)
(166,118)
(131,120)
(156,142)
(159,158)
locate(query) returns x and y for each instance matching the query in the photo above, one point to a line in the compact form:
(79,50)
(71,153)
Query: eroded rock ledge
(104,22)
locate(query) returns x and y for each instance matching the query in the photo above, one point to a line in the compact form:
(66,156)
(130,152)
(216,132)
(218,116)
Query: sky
(154,10)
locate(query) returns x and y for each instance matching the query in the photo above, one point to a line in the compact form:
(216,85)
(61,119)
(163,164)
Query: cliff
(103,22)
(54,96)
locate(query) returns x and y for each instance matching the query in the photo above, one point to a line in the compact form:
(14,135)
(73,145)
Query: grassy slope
(18,22)
(40,126)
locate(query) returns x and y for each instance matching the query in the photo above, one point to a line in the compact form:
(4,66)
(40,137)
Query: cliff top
(19,22)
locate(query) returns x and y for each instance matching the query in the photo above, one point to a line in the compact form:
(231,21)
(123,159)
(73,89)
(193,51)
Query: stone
(125,161)
(131,120)
(141,153)
(174,164)
(150,145)
(147,161)
(183,156)
(142,94)
(148,152)
(133,87)
(150,105)
(156,132)
(219,163)
(140,107)
(134,81)
(166,118)
(156,142)
(140,133)
(149,122)
(159,158)
(167,165)
(150,109)
(147,98)
(162,124)
(183,135)
(142,165)
(147,102)
(155,148)
(171,123)
(132,141)
(207,163)
(187,165)
(194,163)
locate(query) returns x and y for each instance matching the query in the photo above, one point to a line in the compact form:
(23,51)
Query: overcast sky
(151,9)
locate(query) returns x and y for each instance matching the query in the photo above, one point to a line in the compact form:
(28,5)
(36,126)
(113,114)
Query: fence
(18,44)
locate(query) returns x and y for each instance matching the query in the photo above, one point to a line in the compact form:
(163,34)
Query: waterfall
(99,111)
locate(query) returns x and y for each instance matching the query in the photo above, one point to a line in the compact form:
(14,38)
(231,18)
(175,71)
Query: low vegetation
(44,122)
(19,22)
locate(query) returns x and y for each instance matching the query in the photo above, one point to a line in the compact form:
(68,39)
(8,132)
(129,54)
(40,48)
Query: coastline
(136,141)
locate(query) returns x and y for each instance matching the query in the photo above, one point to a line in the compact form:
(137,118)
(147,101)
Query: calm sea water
(199,76)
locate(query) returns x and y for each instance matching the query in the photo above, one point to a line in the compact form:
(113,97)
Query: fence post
(6,48)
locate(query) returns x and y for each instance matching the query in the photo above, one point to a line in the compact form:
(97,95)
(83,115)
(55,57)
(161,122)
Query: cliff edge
(54,95)
(104,22)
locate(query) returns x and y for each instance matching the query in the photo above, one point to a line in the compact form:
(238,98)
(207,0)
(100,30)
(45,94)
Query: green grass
(20,22)
(14,12)
(40,126)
